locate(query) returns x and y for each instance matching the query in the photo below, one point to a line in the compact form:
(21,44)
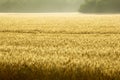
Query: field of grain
(59,47)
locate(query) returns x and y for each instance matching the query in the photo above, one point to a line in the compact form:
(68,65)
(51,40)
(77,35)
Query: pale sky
(40,5)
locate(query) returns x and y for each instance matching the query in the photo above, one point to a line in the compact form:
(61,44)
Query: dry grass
(59,47)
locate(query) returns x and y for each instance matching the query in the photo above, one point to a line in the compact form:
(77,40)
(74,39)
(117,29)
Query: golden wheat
(59,47)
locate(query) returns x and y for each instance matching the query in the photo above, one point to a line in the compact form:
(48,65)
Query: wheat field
(59,47)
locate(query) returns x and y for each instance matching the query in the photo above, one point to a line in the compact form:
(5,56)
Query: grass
(59,47)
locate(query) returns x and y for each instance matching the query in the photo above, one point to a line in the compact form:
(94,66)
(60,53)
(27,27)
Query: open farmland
(59,47)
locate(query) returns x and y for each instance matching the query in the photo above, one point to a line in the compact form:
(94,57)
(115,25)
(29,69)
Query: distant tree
(100,6)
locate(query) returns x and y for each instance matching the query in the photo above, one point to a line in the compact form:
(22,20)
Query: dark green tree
(100,6)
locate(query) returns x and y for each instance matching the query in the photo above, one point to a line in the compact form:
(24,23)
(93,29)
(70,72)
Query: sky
(40,5)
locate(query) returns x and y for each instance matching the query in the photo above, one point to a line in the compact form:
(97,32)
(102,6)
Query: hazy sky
(40,5)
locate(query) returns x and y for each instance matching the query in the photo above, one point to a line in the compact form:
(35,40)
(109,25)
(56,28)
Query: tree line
(100,6)
(85,6)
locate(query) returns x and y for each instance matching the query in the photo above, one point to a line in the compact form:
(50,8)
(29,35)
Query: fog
(40,5)
(52,6)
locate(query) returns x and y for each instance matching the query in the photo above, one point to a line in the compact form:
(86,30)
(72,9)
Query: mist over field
(53,6)
(40,5)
